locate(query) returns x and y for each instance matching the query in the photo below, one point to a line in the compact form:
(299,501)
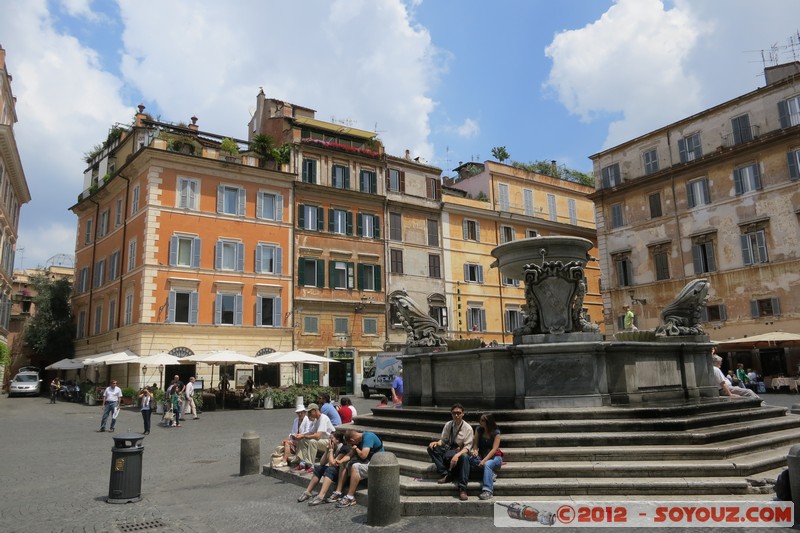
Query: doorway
(341,376)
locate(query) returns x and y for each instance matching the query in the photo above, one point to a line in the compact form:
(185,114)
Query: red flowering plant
(342,147)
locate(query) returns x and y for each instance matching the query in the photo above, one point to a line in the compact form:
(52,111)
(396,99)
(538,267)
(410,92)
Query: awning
(776,339)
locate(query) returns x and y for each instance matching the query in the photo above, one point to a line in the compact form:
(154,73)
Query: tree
(50,332)
(263,146)
(549,168)
(500,153)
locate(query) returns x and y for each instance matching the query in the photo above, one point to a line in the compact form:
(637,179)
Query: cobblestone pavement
(55,470)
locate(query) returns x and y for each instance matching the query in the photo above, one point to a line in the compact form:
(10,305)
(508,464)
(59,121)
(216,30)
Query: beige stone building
(715,195)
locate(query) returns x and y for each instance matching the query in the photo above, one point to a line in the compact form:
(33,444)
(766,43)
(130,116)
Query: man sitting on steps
(315,440)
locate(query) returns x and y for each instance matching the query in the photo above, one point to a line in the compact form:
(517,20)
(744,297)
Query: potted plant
(263,146)
(158,397)
(127,395)
(91,395)
(229,149)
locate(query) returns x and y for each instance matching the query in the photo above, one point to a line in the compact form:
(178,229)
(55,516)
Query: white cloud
(80,8)
(39,242)
(468,129)
(645,65)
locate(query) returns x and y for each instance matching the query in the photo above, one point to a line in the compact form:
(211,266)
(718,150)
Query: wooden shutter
(220,198)
(360,225)
(196,242)
(331,226)
(301,216)
(754,309)
(402,182)
(259,300)
(320,219)
(218,256)
(171,307)
(376,226)
(320,272)
(348,223)
(237,317)
(794,172)
(259,251)
(737,180)
(194,299)
(349,275)
(747,253)
(377,270)
(240,257)
(360,276)
(173,250)
(217,310)
(278,260)
(260,205)
(783,113)
(277,312)
(278,207)
(301,272)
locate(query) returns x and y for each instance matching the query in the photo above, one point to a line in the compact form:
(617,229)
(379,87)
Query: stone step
(511,427)
(733,447)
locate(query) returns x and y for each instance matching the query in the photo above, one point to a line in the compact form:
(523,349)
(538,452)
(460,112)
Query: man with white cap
(315,440)
(301,425)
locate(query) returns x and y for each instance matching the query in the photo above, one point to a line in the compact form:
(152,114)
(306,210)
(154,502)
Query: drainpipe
(90,316)
(123,251)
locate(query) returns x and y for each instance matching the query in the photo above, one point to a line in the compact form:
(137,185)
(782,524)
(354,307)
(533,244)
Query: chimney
(193,126)
(554,167)
(140,115)
(408,155)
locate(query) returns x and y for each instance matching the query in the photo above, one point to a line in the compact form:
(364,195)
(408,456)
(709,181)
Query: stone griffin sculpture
(682,316)
(421,329)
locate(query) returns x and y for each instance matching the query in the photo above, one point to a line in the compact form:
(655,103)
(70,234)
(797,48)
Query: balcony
(740,136)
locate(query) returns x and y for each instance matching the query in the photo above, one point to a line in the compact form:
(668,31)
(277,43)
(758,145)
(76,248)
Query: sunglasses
(456,413)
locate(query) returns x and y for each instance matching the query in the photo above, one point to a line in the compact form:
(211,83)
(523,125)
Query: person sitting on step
(364,445)
(337,455)
(486,455)
(450,452)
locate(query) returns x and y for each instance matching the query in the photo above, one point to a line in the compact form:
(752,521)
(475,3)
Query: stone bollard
(795,409)
(793,458)
(383,507)
(250,458)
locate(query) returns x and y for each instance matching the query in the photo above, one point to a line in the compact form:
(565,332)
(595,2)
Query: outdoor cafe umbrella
(297,357)
(66,364)
(775,338)
(159,360)
(224,357)
(113,358)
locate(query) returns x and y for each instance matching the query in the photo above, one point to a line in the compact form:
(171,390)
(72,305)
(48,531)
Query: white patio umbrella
(114,358)
(296,357)
(224,357)
(66,364)
(159,361)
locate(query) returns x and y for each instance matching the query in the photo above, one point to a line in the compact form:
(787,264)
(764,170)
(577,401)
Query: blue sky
(446,79)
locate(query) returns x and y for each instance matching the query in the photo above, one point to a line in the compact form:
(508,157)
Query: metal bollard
(250,455)
(793,458)
(383,507)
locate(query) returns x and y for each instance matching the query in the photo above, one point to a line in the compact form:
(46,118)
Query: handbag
(169,416)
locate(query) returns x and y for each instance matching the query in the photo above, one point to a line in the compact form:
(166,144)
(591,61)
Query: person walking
(55,386)
(190,406)
(111,396)
(146,402)
(176,404)
(629,319)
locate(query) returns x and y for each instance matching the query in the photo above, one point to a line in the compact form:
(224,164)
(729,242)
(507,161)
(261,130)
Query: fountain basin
(513,256)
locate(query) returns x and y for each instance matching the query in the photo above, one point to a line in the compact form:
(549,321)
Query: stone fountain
(559,359)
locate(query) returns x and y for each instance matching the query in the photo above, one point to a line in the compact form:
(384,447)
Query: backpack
(782,488)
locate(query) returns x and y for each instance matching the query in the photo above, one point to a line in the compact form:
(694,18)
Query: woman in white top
(146,402)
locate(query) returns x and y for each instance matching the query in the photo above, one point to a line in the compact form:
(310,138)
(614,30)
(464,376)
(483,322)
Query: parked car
(25,383)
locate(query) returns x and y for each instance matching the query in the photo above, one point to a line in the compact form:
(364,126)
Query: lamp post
(161,374)
(144,376)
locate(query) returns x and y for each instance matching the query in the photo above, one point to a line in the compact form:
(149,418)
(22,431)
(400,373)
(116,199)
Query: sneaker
(281,465)
(494,476)
(303,497)
(485,495)
(462,495)
(309,470)
(299,466)
(111,430)
(347,501)
(317,501)
(335,497)
(101,430)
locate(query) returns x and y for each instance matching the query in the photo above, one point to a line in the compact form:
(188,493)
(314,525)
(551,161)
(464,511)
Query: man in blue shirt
(329,410)
(397,389)
(363,446)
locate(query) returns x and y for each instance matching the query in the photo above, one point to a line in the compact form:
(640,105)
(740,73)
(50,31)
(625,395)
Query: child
(335,456)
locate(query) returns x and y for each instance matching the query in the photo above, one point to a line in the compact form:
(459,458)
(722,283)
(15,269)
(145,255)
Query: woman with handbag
(176,406)
(450,452)
(486,454)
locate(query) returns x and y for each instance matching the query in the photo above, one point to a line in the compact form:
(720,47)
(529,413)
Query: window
(309,171)
(129,308)
(188,193)
(793,158)
(439,313)
(395,227)
(87,233)
(268,311)
(135,199)
(368,182)
(433,232)
(369,277)
(740,127)
(229,255)
(661,260)
(228,309)
(310,217)
(514,319)
(433,189)
(713,313)
(231,200)
(754,247)
(183,307)
(119,214)
(789,112)
(527,200)
(310,324)
(551,207)
(112,314)
(650,161)
(269,206)
(765,307)
(341,326)
(530,233)
(81,324)
(395,181)
(340,221)
(502,197)
(368,226)
(703,256)
(102,228)
(655,204)
(340,177)
(83,280)
(473,273)
(697,192)
(311,272)
(611,176)
(573,211)
(616,216)
(472,230)
(184,251)
(434,266)
(396,261)
(370,326)
(113,265)
(746,179)
(624,270)
(689,148)
(510,282)
(98,319)
(341,275)
(100,273)
(269,259)
(476,318)
(506,234)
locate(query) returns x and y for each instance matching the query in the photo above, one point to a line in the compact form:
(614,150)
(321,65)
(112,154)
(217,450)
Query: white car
(25,383)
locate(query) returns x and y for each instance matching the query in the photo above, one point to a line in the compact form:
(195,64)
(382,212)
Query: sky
(446,79)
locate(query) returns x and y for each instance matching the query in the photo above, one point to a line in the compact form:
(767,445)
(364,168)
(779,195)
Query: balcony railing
(741,136)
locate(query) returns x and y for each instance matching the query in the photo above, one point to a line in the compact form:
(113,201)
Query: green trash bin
(125,482)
